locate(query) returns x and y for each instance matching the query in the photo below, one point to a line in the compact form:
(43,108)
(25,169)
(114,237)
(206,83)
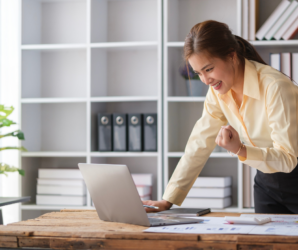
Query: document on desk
(210,225)
(280,225)
(276,220)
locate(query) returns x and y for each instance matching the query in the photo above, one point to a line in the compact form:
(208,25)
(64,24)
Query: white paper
(210,225)
(211,220)
(277,220)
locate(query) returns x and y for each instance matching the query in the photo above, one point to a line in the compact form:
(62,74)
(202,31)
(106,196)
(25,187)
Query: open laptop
(116,198)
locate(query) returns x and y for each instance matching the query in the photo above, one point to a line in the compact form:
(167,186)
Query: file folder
(150,132)
(135,132)
(105,123)
(119,132)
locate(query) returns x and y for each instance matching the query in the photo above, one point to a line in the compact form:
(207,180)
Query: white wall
(9,96)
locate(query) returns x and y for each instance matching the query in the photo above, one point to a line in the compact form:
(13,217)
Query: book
(135,132)
(61,190)
(144,190)
(282,18)
(186,211)
(252,19)
(142,179)
(272,19)
(291,31)
(61,182)
(59,173)
(295,66)
(210,192)
(207,202)
(213,182)
(286,64)
(245,20)
(59,200)
(104,124)
(275,61)
(286,25)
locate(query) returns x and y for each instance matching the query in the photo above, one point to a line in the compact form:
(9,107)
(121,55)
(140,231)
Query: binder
(135,132)
(119,132)
(105,135)
(150,132)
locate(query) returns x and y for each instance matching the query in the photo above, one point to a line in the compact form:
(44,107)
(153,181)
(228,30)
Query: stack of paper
(143,183)
(60,187)
(212,192)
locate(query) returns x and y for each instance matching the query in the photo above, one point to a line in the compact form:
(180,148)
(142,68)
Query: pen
(151,206)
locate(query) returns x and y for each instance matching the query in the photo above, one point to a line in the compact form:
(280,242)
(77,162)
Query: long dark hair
(217,40)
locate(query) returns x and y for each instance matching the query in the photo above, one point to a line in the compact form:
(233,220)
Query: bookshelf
(181,111)
(79,58)
(117,56)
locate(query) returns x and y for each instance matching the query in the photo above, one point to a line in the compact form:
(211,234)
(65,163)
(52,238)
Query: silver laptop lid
(114,193)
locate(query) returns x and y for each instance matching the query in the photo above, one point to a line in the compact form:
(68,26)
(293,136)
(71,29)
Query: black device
(186,211)
(105,134)
(150,132)
(119,132)
(135,132)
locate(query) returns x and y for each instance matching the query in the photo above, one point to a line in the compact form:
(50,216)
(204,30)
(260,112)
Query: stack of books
(60,187)
(285,63)
(282,23)
(143,183)
(212,192)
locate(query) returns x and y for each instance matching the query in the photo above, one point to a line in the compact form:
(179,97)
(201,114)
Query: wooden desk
(82,229)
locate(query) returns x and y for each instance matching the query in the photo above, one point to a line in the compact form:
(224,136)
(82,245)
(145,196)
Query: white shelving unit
(182,111)
(79,58)
(82,57)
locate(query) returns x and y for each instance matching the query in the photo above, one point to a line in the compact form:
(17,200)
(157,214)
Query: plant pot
(196,88)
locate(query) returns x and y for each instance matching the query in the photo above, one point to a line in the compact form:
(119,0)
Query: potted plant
(4,122)
(194,85)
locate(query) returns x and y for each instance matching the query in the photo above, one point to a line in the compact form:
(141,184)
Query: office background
(72,59)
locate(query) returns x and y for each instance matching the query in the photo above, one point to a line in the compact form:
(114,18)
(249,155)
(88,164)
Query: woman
(259,103)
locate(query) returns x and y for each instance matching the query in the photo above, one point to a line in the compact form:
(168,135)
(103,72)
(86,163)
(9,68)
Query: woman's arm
(198,149)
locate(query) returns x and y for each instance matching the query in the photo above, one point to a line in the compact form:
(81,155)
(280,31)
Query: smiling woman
(261,106)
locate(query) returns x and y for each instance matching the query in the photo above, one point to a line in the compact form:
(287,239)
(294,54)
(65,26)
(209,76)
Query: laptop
(116,198)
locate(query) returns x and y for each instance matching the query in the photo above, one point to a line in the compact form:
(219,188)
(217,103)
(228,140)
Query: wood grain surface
(82,229)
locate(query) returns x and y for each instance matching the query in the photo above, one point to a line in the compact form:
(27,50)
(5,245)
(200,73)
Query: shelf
(175,44)
(186,99)
(54,154)
(125,45)
(213,155)
(255,43)
(53,46)
(46,207)
(275,43)
(54,74)
(124,154)
(124,99)
(53,100)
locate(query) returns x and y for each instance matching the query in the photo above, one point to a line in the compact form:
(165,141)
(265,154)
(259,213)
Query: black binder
(119,132)
(150,132)
(135,132)
(105,132)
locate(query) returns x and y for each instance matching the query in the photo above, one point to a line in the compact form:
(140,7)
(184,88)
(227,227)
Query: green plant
(4,122)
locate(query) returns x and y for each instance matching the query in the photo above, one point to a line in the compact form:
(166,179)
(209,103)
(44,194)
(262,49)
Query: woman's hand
(163,205)
(228,138)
